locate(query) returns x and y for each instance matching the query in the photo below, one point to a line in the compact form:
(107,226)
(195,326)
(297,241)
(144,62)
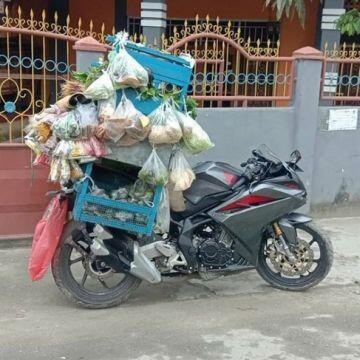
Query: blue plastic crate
(166,68)
(84,199)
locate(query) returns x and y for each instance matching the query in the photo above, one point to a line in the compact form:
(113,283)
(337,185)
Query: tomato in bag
(46,237)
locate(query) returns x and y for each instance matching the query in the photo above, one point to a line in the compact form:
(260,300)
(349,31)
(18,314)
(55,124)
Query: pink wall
(22,191)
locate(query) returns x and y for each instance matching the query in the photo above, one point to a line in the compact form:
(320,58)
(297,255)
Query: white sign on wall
(343,119)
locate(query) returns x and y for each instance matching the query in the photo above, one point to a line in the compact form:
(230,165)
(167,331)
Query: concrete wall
(336,175)
(336,159)
(237,131)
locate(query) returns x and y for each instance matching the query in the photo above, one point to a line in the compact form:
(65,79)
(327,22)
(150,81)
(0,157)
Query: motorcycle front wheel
(85,281)
(314,257)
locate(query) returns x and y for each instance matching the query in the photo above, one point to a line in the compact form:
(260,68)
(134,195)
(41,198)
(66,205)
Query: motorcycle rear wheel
(320,254)
(89,285)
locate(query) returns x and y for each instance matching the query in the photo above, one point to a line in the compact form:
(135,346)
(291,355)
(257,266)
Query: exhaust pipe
(141,266)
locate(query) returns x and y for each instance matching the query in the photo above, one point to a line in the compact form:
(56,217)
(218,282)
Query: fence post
(88,51)
(153,20)
(306,102)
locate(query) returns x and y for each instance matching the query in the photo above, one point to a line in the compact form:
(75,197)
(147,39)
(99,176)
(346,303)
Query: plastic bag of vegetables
(63,149)
(101,88)
(114,126)
(165,128)
(141,193)
(55,169)
(87,114)
(99,149)
(76,172)
(195,140)
(154,171)
(106,108)
(67,126)
(181,174)
(136,132)
(163,213)
(176,199)
(126,71)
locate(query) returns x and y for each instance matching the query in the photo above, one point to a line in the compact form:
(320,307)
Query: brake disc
(304,259)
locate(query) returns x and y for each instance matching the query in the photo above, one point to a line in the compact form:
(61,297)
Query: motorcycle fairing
(247,224)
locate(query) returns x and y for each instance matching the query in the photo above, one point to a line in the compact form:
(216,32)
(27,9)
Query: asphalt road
(237,317)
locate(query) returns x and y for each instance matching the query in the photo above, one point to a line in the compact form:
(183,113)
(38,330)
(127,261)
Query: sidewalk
(237,317)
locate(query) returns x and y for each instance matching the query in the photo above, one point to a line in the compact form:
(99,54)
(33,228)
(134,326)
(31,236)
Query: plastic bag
(136,125)
(138,131)
(126,71)
(87,114)
(119,194)
(43,159)
(176,199)
(50,144)
(154,171)
(33,145)
(163,213)
(101,88)
(141,193)
(65,171)
(55,169)
(75,171)
(123,116)
(80,150)
(99,149)
(106,108)
(114,129)
(195,139)
(67,126)
(43,130)
(181,174)
(165,128)
(46,237)
(63,148)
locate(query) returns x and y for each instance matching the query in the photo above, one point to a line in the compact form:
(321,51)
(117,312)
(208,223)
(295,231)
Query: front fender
(287,225)
(297,218)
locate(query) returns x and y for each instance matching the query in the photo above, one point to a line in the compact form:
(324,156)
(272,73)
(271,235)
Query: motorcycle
(235,220)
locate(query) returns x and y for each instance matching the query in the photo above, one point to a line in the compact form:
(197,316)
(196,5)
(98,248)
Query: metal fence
(35,56)
(229,69)
(341,74)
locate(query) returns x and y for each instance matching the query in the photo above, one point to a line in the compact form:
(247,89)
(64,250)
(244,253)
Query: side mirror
(295,157)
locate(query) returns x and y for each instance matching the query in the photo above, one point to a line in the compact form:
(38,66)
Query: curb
(10,243)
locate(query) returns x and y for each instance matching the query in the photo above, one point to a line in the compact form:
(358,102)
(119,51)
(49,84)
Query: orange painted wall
(292,35)
(97,11)
(225,9)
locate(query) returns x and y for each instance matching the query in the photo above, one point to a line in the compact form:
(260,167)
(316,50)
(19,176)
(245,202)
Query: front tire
(274,269)
(88,286)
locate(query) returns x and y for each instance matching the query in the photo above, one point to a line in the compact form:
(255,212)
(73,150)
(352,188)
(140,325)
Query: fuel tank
(214,182)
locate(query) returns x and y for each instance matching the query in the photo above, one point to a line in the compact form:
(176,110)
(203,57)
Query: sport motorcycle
(234,220)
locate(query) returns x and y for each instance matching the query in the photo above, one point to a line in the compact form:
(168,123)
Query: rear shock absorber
(279,236)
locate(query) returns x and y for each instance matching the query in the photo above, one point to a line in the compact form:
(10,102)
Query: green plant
(349,23)
(88,77)
(151,92)
(289,7)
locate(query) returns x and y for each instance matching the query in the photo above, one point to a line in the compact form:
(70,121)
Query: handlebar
(258,166)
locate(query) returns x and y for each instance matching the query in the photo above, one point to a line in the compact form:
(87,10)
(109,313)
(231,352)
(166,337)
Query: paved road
(238,317)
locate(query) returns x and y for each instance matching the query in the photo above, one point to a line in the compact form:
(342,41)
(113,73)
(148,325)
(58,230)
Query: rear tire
(64,279)
(301,282)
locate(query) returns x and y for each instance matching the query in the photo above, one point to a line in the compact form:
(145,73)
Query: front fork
(281,243)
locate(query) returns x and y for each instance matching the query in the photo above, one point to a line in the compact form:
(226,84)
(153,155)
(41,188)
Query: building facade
(153,16)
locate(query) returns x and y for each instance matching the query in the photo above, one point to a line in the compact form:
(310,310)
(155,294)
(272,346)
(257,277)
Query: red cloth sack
(46,237)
